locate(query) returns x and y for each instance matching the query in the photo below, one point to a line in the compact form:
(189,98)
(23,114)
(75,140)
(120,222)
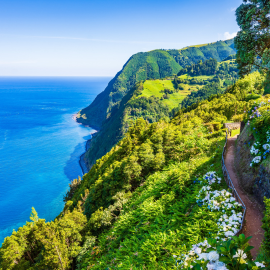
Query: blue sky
(96,38)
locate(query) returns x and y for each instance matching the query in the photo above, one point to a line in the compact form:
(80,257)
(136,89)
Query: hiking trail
(254,213)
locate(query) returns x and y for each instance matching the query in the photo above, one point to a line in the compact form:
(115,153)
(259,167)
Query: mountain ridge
(107,113)
(149,65)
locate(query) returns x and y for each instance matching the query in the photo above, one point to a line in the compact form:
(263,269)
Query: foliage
(144,201)
(41,245)
(107,111)
(258,118)
(208,67)
(218,50)
(253,40)
(266,241)
(248,87)
(213,254)
(72,187)
(141,66)
(230,57)
(202,94)
(158,99)
(159,218)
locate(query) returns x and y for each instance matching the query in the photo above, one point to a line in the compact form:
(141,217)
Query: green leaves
(253,39)
(41,245)
(34,215)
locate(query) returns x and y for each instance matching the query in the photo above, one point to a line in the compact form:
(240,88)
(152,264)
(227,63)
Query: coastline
(82,162)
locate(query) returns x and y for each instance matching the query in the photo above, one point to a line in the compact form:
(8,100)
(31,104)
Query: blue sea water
(40,143)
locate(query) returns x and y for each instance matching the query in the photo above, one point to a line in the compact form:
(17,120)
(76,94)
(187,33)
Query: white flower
(266,146)
(257,159)
(229,233)
(203,256)
(221,266)
(197,250)
(213,256)
(210,266)
(259,264)
(240,254)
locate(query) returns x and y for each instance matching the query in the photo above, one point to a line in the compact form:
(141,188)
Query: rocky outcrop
(255,181)
(243,158)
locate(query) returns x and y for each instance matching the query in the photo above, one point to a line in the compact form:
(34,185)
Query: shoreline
(82,162)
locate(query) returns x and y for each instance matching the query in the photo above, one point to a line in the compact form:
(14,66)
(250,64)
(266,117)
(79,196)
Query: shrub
(265,226)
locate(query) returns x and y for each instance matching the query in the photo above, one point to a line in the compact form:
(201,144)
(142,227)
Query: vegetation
(157,199)
(235,132)
(141,66)
(208,67)
(265,252)
(157,64)
(138,206)
(158,99)
(41,245)
(253,39)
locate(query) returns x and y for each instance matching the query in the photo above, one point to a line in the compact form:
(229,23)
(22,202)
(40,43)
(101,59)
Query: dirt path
(254,213)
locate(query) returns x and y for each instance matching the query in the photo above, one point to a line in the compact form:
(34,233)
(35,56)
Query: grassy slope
(155,88)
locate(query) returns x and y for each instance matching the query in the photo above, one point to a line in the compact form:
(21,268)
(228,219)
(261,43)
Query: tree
(253,40)
(41,245)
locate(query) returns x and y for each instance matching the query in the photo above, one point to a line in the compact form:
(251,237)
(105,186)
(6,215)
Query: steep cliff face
(141,66)
(149,65)
(256,180)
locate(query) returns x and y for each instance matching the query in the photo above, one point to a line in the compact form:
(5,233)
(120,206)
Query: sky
(96,38)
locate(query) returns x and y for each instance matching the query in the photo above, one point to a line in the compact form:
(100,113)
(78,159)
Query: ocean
(40,143)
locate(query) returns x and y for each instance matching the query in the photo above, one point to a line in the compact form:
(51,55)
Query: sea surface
(40,143)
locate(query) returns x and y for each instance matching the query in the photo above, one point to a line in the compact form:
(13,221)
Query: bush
(238,118)
(265,226)
(216,125)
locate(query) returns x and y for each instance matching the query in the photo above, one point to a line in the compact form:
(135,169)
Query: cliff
(113,110)
(149,65)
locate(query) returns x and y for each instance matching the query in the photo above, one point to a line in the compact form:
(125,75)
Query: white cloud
(227,35)
(233,9)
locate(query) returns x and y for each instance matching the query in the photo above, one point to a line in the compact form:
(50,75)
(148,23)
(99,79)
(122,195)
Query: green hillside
(165,91)
(145,203)
(159,99)
(141,66)
(149,65)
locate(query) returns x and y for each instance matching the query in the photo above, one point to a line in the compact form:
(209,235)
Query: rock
(255,181)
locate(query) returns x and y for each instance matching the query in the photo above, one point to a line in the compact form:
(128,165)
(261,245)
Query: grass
(235,132)
(175,99)
(203,77)
(155,88)
(231,61)
(197,46)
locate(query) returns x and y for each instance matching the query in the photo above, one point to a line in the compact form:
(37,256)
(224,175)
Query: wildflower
(240,254)
(258,264)
(198,250)
(203,256)
(213,256)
